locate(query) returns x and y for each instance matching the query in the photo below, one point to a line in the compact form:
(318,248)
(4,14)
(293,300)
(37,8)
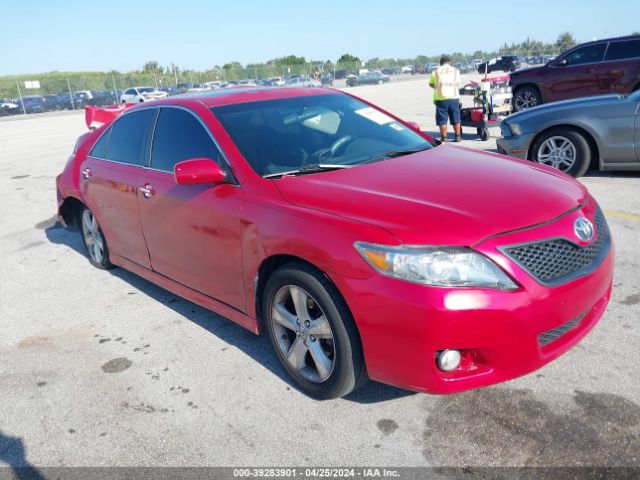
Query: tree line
(155,74)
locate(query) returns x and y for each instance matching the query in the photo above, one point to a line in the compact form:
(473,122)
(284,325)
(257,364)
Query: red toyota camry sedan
(339,230)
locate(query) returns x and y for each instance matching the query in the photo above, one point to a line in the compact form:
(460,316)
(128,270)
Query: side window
(130,137)
(623,50)
(180,136)
(99,150)
(588,54)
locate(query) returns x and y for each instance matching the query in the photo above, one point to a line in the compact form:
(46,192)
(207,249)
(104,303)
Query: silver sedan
(603,132)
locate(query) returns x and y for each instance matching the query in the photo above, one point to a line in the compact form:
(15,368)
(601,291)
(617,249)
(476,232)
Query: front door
(108,182)
(579,76)
(192,231)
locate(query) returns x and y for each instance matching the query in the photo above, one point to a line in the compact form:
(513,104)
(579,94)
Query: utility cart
(492,102)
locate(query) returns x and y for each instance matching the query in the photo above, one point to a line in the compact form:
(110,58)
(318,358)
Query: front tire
(312,332)
(526,97)
(565,149)
(94,240)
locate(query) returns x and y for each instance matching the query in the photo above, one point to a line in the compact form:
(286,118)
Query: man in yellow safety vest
(446,97)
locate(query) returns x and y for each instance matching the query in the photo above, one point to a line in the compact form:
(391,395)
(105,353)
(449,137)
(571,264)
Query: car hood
(443,196)
(566,105)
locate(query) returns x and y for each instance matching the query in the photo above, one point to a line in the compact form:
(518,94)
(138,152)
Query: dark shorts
(447,110)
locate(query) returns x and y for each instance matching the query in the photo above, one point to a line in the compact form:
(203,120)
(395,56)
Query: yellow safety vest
(444,80)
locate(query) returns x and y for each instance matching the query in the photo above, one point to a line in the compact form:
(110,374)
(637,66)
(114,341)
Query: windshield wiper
(311,168)
(408,151)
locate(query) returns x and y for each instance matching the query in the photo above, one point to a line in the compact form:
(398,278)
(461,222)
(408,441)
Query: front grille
(557,261)
(545,338)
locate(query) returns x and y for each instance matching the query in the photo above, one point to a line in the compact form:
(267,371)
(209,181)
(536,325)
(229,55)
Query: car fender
(280,228)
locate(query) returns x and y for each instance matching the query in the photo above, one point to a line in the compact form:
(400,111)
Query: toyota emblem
(583,229)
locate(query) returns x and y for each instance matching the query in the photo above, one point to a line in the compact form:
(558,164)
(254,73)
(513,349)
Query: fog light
(448,360)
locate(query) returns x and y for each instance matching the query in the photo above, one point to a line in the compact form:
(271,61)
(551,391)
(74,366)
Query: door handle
(86,173)
(147,190)
(591,70)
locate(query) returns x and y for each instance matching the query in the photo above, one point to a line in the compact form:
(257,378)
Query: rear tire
(563,148)
(312,332)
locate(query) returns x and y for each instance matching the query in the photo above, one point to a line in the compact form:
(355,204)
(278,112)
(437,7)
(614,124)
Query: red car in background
(341,232)
(593,68)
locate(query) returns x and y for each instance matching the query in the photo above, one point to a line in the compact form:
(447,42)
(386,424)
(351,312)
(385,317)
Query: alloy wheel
(303,333)
(93,238)
(557,152)
(525,99)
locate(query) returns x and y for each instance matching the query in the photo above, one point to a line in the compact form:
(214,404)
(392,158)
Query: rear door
(192,231)
(622,66)
(579,77)
(109,179)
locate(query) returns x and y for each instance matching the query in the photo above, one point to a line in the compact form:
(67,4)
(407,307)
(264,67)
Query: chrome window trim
(115,161)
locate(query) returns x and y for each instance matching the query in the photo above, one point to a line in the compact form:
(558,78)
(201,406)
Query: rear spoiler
(95,117)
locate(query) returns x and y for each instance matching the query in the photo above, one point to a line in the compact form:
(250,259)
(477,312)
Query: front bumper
(502,334)
(516,145)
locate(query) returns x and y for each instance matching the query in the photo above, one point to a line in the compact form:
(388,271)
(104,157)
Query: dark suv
(506,63)
(594,68)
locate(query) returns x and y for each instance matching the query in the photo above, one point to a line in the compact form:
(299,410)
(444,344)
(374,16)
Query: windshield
(146,89)
(289,134)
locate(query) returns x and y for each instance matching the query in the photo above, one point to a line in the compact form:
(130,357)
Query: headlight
(436,266)
(514,128)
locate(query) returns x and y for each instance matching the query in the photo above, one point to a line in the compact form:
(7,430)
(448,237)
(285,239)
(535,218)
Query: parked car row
(593,68)
(139,94)
(581,110)
(57,101)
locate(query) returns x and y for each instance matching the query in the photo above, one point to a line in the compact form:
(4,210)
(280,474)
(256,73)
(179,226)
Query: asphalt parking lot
(104,368)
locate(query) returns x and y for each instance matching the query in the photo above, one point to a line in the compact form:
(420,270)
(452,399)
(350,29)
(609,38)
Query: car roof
(612,39)
(228,96)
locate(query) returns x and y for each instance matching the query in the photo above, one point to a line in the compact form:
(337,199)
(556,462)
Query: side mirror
(198,171)
(561,62)
(414,125)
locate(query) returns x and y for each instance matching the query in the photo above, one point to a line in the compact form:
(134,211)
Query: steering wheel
(327,153)
(339,143)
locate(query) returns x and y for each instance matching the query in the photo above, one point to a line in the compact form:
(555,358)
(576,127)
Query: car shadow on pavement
(256,347)
(592,172)
(12,453)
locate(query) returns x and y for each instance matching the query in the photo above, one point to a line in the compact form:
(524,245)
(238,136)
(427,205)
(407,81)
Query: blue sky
(45,35)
